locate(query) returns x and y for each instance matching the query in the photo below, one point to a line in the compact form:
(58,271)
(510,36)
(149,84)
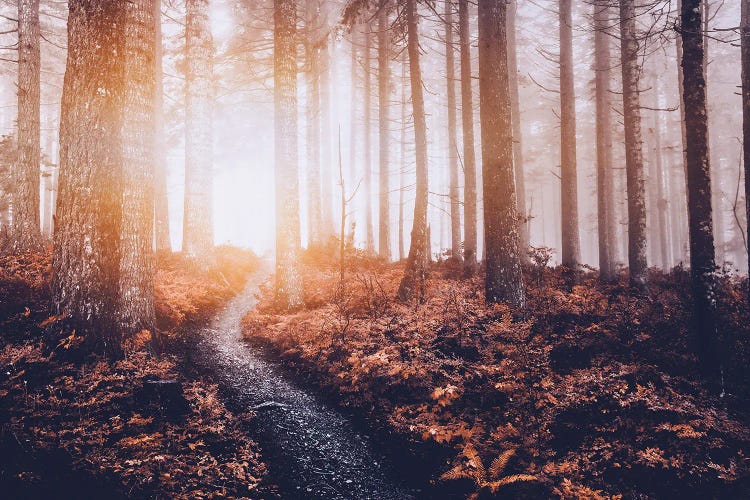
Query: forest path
(313,450)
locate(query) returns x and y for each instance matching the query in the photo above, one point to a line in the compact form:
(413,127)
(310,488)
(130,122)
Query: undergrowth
(594,387)
(75,424)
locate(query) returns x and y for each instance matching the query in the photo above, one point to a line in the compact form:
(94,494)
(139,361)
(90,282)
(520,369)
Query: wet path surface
(313,450)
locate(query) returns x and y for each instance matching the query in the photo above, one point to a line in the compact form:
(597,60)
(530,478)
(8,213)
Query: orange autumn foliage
(79,422)
(585,384)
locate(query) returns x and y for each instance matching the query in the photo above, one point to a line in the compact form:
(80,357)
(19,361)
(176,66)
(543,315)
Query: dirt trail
(313,450)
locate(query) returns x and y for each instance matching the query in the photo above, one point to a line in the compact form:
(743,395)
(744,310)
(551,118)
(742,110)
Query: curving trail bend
(313,450)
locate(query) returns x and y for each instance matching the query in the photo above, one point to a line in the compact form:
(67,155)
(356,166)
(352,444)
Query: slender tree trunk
(413,283)
(312,56)
(48,210)
(354,116)
(163,239)
(504,281)
(453,189)
(702,257)
(384,212)
(326,159)
(369,229)
(716,191)
(136,305)
(685,237)
(745,42)
(633,144)
(467,120)
(342,226)
(288,276)
(86,263)
(402,172)
(26,232)
(571,252)
(197,236)
(661,215)
(605,208)
(515,103)
(49,137)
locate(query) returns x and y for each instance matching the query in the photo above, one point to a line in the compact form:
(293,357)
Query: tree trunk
(48,210)
(633,144)
(312,63)
(85,268)
(163,238)
(384,212)
(467,120)
(353,118)
(450,76)
(745,42)
(49,175)
(402,170)
(571,251)
(716,189)
(326,162)
(680,83)
(661,216)
(413,283)
(26,232)
(197,236)
(702,257)
(515,103)
(504,281)
(288,276)
(136,305)
(605,205)
(369,230)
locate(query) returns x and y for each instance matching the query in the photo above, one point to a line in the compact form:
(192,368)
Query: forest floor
(592,393)
(73,425)
(313,450)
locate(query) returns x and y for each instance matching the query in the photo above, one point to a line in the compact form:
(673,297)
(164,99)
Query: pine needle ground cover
(592,393)
(72,421)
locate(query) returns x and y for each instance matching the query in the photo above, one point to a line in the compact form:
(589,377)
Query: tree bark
(745,43)
(515,103)
(85,268)
(702,256)
(413,283)
(684,237)
(571,251)
(136,305)
(163,238)
(633,144)
(450,76)
(504,281)
(26,231)
(467,121)
(384,211)
(197,236)
(605,208)
(288,276)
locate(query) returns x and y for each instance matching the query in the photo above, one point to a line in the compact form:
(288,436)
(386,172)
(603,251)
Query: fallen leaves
(88,411)
(593,384)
